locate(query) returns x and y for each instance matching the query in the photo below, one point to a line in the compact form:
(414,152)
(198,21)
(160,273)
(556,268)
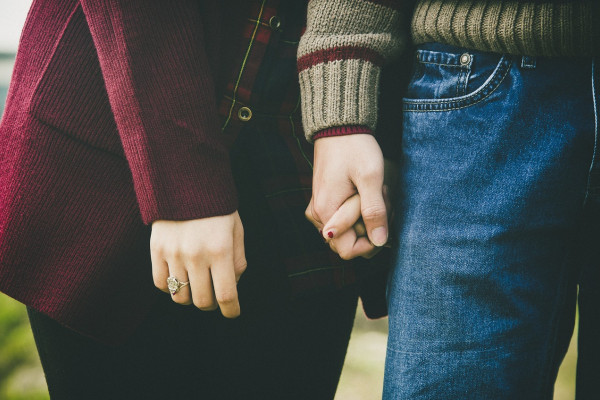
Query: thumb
(373,210)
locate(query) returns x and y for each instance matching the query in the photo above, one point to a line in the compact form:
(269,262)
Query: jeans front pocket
(447,77)
(439,75)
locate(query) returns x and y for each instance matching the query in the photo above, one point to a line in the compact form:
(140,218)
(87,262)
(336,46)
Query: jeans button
(465,59)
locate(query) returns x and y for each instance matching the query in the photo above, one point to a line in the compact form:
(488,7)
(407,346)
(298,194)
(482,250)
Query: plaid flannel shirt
(263,93)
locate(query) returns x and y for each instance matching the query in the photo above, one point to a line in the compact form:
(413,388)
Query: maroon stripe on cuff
(342,131)
(339,53)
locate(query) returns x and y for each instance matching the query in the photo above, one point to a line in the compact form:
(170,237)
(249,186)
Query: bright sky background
(12,18)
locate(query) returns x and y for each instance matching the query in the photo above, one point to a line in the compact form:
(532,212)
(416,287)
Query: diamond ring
(174,284)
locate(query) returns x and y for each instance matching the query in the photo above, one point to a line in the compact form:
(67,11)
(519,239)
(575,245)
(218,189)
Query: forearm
(157,78)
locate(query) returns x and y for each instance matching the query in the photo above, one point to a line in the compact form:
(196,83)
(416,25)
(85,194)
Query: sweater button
(244,114)
(275,23)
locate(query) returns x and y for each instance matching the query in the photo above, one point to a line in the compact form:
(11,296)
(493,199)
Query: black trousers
(286,351)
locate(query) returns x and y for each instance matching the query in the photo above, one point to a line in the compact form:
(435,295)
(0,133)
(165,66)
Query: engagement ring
(174,285)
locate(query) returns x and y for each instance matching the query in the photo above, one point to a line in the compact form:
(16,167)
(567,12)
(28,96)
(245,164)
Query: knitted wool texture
(347,41)
(516,27)
(340,58)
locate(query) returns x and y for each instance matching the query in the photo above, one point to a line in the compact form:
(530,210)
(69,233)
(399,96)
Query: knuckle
(204,302)
(370,171)
(319,208)
(345,254)
(227,297)
(172,253)
(332,246)
(308,213)
(241,267)
(189,249)
(155,246)
(216,250)
(160,283)
(183,300)
(373,211)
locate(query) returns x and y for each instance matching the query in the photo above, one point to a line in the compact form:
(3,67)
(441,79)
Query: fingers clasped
(351,197)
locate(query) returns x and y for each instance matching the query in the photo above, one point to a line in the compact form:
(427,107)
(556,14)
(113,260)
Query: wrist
(343,131)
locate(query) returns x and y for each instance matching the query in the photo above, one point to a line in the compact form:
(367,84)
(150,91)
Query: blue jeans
(497,227)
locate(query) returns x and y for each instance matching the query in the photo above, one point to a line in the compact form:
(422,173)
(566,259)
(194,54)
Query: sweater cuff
(328,101)
(200,187)
(343,131)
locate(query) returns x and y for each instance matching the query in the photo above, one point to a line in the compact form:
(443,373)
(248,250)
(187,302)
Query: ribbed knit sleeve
(535,28)
(160,90)
(340,56)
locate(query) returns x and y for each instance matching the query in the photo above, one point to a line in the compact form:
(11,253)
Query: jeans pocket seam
(457,103)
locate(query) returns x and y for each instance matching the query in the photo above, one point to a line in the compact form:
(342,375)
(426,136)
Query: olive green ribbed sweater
(347,42)
(550,28)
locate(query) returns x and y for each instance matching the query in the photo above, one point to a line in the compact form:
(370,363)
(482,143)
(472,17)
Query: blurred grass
(21,375)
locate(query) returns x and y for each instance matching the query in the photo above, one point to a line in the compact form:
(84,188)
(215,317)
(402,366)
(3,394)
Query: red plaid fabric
(262,97)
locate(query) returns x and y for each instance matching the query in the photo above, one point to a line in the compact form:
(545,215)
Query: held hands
(208,253)
(351,180)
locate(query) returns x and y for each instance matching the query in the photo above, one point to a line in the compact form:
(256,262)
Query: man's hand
(345,166)
(207,252)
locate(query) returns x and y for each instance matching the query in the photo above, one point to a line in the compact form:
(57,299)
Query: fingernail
(379,236)
(330,234)
(321,232)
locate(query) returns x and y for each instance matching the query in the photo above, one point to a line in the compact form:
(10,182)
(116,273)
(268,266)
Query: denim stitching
(443,65)
(495,349)
(414,105)
(594,156)
(439,58)
(495,80)
(464,78)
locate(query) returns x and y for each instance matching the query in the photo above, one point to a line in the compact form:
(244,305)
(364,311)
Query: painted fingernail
(330,234)
(379,236)
(321,232)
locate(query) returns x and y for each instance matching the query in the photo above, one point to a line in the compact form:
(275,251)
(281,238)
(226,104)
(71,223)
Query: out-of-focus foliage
(21,376)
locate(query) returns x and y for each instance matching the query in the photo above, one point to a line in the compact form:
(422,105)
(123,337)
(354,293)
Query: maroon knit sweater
(111,111)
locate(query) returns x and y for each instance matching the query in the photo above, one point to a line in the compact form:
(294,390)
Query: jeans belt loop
(528,62)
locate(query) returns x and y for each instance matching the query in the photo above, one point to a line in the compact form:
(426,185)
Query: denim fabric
(496,226)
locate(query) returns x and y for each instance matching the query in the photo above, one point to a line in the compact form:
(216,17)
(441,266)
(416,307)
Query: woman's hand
(346,225)
(208,253)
